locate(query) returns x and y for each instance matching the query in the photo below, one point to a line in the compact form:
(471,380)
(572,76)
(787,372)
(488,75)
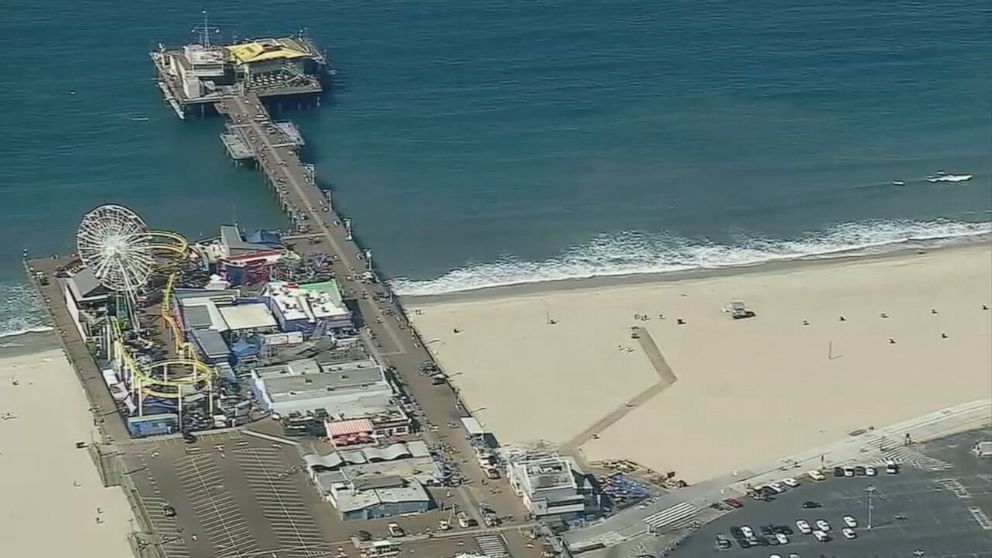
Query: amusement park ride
(124,255)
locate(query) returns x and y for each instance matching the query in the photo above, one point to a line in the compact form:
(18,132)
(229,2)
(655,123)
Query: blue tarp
(243,348)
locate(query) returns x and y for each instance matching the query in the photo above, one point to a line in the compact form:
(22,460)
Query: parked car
(777,487)
(822,525)
(748,532)
(444,525)
(395,530)
(818,476)
(722,543)
(848,471)
(736,532)
(791,482)
(849,534)
(871,471)
(810,504)
(891,467)
(860,471)
(782,539)
(838,471)
(784,529)
(766,530)
(168,510)
(850,521)
(803,526)
(733,502)
(821,536)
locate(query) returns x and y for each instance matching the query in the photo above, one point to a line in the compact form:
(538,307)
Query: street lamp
(870,490)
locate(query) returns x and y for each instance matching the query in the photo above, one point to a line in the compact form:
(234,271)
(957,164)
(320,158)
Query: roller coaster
(123,259)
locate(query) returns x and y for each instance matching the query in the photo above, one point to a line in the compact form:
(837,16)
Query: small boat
(942,176)
(898,183)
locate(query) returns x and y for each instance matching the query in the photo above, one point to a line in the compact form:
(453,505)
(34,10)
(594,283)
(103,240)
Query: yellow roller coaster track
(141,378)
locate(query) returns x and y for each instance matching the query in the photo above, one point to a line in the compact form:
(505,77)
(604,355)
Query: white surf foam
(637,253)
(20,310)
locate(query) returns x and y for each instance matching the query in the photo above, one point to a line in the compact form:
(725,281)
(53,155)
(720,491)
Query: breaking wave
(639,253)
(21,310)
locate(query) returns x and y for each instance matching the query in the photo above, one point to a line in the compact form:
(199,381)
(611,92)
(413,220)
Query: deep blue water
(484,142)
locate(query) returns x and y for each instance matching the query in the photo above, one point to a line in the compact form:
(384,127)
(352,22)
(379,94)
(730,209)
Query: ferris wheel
(115,244)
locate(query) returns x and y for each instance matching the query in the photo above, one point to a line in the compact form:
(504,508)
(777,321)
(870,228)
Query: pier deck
(397,343)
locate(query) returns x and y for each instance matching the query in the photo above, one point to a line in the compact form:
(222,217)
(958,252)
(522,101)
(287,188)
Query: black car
(860,471)
(736,533)
(782,529)
(766,530)
(168,510)
(809,504)
(189,437)
(762,540)
(838,471)
(744,543)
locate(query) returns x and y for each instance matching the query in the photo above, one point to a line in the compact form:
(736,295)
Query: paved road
(398,344)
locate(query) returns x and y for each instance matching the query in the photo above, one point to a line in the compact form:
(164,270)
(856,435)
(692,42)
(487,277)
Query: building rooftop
(262,50)
(211,342)
(198,54)
(308,302)
(549,474)
(252,315)
(306,379)
(84,285)
(354,500)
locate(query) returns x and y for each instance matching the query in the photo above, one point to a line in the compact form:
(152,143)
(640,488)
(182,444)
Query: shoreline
(537,288)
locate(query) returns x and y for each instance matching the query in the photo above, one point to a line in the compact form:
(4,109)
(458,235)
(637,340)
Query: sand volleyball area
(53,503)
(834,347)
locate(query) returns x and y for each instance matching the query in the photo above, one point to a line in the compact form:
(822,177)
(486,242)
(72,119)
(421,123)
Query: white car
(871,471)
(821,536)
(822,525)
(777,487)
(782,539)
(803,526)
(850,521)
(747,532)
(849,534)
(816,475)
(790,482)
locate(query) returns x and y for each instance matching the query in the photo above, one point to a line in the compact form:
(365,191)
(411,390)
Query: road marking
(217,513)
(281,501)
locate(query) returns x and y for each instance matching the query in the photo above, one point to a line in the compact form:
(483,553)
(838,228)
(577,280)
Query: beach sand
(748,392)
(42,511)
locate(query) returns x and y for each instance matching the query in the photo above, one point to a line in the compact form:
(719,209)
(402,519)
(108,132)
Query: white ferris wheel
(115,244)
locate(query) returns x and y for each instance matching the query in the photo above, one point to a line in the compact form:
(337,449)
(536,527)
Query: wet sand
(51,490)
(748,391)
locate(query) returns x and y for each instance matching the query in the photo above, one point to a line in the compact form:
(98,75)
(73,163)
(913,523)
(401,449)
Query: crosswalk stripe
(669,516)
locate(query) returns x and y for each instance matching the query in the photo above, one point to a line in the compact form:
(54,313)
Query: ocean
(485,143)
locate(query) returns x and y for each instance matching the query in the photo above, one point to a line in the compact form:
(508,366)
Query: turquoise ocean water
(480,143)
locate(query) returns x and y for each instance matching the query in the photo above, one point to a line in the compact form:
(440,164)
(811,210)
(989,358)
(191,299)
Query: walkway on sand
(666,377)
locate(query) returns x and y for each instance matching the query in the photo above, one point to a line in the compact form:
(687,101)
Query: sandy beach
(52,494)
(558,362)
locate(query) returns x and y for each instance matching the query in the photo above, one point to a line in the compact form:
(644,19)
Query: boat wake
(634,253)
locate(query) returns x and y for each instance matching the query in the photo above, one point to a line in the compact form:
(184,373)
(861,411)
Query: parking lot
(938,505)
(232,495)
